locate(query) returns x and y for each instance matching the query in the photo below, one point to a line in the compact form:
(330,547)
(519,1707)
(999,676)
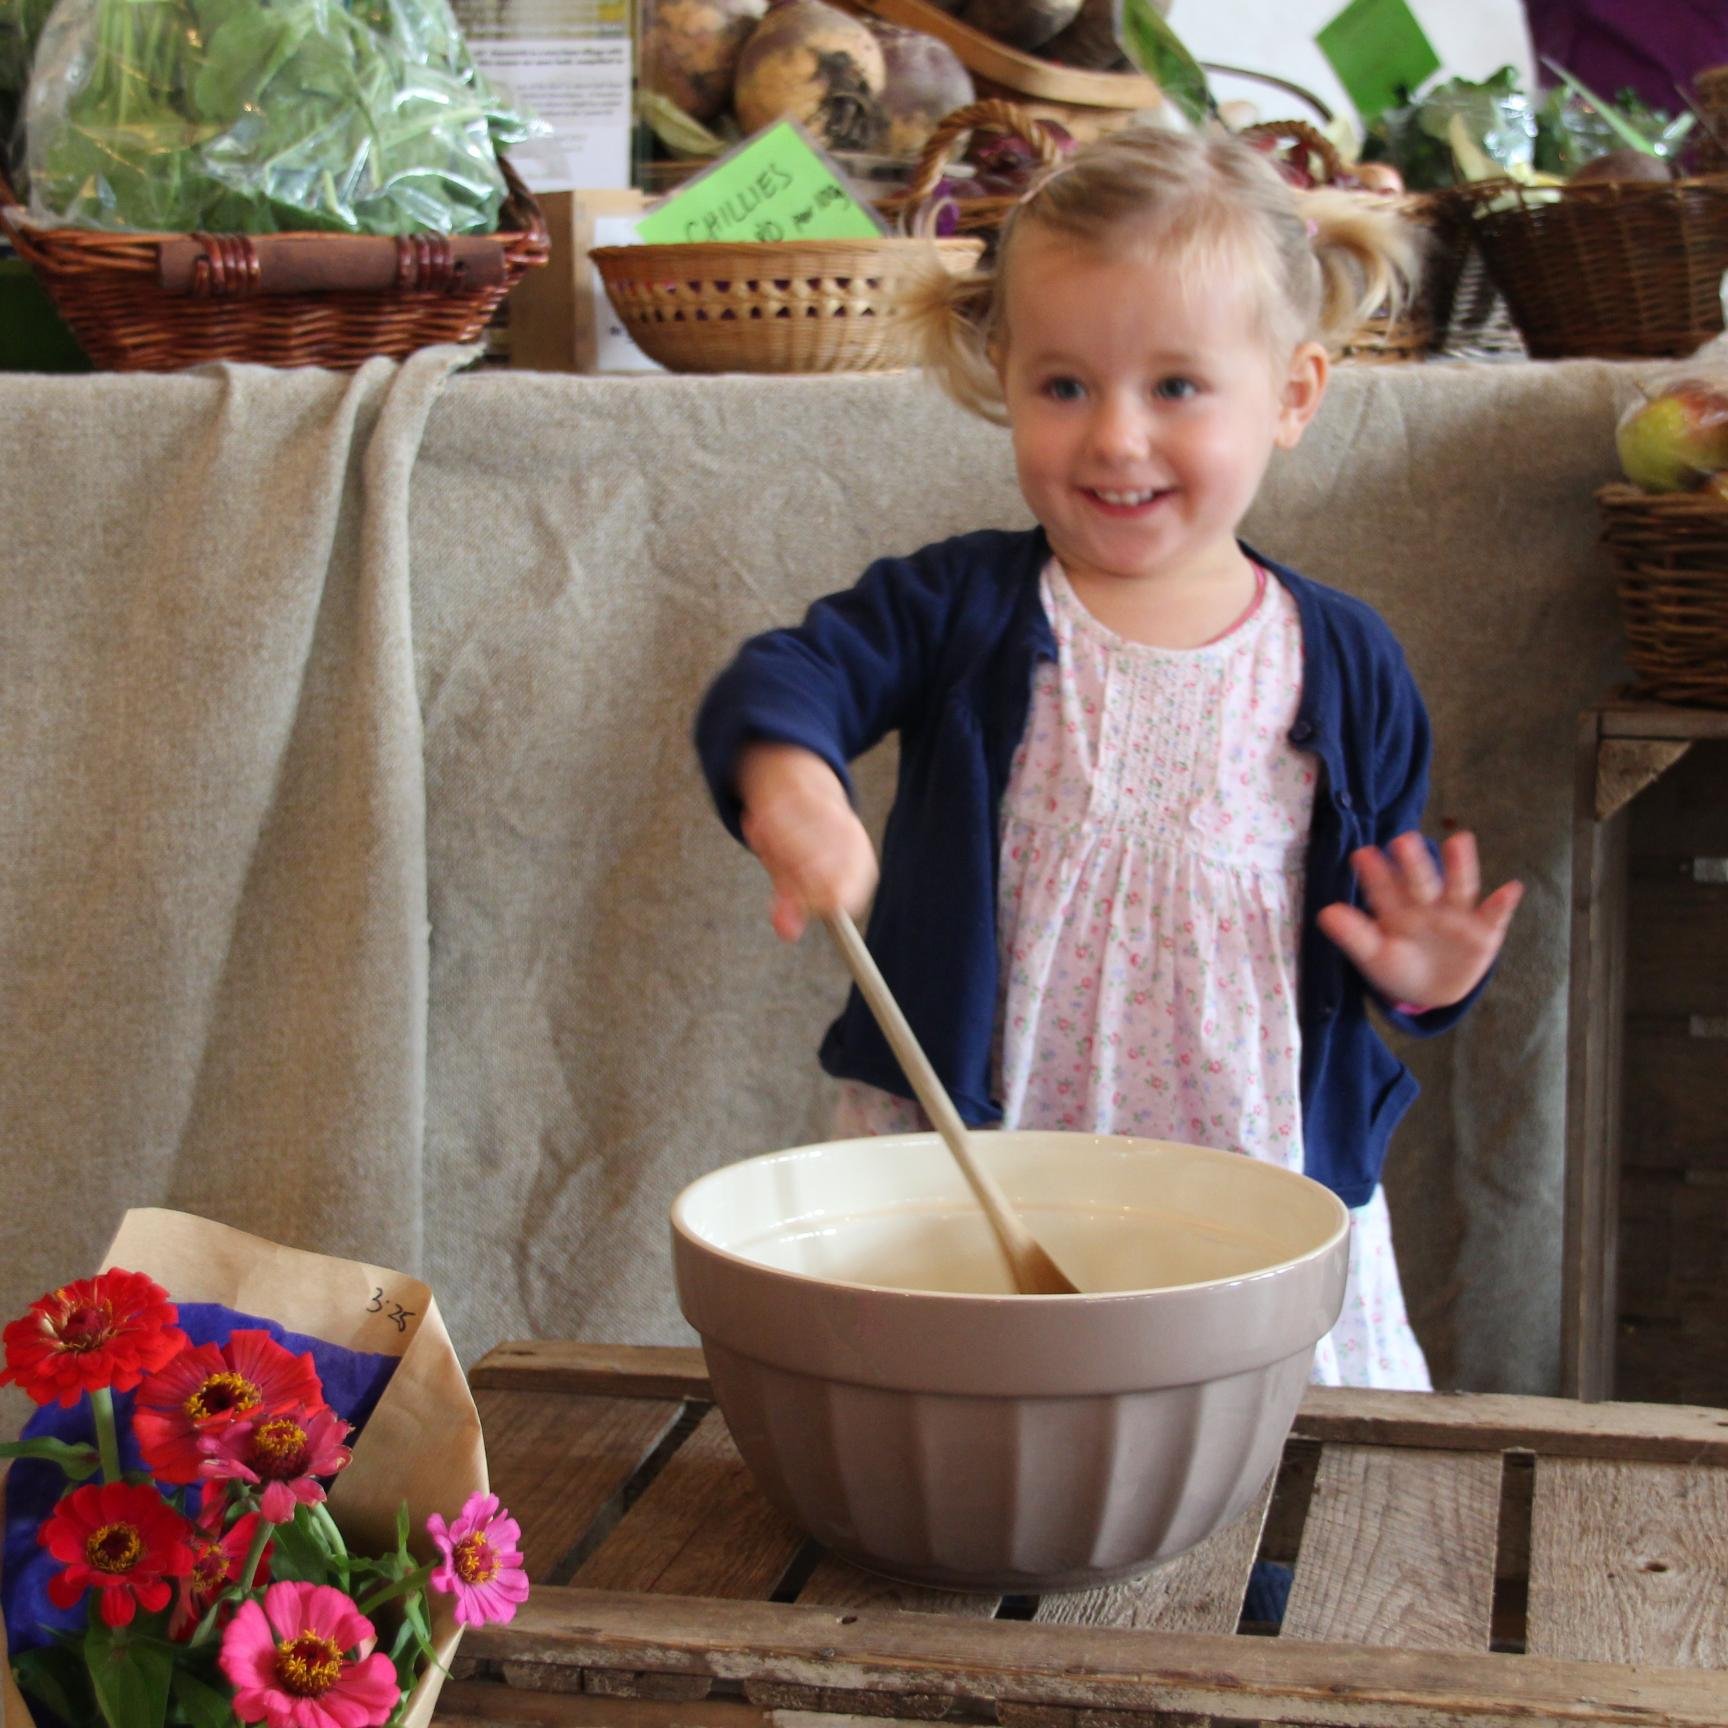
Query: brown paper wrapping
(422,1443)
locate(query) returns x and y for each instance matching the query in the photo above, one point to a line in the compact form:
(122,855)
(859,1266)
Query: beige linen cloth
(357,887)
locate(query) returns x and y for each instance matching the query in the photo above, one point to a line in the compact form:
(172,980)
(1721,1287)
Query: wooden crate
(1646,1240)
(1483,1560)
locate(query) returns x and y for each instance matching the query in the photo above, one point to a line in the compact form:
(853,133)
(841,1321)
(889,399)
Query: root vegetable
(1090,41)
(810,62)
(691,51)
(926,82)
(1021,23)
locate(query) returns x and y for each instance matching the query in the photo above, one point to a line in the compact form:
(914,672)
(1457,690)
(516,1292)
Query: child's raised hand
(1425,939)
(799,822)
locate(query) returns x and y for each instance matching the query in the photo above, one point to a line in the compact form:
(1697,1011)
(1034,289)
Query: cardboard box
(560,318)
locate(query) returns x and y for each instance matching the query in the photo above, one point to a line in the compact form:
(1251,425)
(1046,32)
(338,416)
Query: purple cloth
(1656,47)
(353,1381)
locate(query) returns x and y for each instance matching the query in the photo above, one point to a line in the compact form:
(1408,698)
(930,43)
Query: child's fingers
(1463,868)
(1378,880)
(1354,932)
(1421,880)
(1496,911)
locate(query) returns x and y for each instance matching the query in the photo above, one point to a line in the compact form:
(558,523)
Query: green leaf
(298,1554)
(205,1706)
(1623,129)
(1158,51)
(130,1679)
(55,1676)
(77,1461)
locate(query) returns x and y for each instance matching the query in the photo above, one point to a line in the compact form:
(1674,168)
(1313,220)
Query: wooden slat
(1677,956)
(981,1662)
(478,1704)
(1398,1551)
(556,1461)
(701,1529)
(1676,1095)
(1200,1591)
(1498,1422)
(1594,1063)
(612,1370)
(1629,1563)
(1622,719)
(1463,1421)
(835,1583)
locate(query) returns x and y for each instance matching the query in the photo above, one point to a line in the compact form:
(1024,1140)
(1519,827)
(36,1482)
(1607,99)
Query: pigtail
(1370,258)
(947,318)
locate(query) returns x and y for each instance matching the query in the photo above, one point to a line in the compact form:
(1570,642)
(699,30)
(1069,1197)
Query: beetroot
(926,82)
(1021,23)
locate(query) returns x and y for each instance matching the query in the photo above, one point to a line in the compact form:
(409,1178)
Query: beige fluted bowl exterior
(890,1392)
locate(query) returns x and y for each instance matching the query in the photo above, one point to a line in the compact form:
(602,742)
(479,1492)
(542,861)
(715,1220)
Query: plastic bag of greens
(21,23)
(1575,127)
(258,116)
(1458,131)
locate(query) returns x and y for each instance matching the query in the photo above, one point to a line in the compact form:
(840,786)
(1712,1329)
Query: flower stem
(261,1533)
(397,1587)
(107,1435)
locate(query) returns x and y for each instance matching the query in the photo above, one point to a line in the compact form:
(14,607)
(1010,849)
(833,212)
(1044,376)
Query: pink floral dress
(1153,840)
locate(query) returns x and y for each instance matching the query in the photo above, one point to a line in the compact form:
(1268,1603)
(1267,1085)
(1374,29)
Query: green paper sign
(1378,51)
(776,185)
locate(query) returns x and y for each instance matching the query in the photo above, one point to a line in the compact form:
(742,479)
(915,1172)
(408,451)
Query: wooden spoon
(1034,1272)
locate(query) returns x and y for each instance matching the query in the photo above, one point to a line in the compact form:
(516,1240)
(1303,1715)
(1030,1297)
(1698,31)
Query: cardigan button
(1301,730)
(1344,801)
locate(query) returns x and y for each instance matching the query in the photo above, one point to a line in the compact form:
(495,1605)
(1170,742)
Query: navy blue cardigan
(941,647)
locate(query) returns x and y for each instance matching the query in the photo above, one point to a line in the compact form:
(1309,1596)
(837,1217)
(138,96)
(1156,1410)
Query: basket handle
(239,266)
(1309,137)
(993,115)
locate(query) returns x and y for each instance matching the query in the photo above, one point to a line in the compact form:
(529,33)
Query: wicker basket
(790,306)
(984,214)
(1622,271)
(110,288)
(1670,552)
(1420,328)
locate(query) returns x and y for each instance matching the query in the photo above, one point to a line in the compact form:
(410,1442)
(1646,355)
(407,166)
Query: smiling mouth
(1115,500)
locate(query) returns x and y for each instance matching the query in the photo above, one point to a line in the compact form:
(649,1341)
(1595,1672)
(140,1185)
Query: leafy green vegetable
(1416,135)
(1159,52)
(1576,126)
(262,115)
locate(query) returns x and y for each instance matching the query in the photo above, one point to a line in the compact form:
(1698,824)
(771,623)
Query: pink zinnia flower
(122,1540)
(95,1333)
(305,1660)
(209,1387)
(217,1557)
(482,1564)
(284,1453)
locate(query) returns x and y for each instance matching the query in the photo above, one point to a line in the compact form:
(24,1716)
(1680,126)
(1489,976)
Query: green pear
(1676,440)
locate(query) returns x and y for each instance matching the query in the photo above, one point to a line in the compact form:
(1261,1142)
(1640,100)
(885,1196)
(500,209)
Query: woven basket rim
(1609,192)
(695,251)
(1623,495)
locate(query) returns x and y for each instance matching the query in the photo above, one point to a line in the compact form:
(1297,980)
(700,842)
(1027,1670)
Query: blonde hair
(1323,260)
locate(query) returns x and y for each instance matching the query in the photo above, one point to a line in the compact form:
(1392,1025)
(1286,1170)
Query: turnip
(691,49)
(926,82)
(810,62)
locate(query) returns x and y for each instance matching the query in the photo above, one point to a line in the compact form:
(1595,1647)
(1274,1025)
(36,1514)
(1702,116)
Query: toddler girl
(1144,770)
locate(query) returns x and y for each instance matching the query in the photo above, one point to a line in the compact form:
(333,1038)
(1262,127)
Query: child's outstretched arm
(1427,939)
(800,823)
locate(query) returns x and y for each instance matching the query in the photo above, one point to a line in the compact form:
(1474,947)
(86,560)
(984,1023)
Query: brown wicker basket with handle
(1670,553)
(781,306)
(160,302)
(1420,327)
(985,213)
(1620,271)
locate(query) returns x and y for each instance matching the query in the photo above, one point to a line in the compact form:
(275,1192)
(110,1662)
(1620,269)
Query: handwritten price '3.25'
(394,1311)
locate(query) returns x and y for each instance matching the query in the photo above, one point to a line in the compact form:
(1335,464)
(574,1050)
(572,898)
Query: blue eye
(1175,389)
(1064,389)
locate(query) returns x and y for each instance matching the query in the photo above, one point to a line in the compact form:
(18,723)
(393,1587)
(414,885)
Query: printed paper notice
(581,89)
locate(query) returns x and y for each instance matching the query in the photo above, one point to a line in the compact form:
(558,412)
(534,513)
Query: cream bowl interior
(888,1388)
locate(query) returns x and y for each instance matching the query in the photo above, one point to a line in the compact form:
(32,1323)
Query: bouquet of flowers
(171,1551)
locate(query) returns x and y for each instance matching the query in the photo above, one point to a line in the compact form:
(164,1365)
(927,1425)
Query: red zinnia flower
(120,1538)
(208,1388)
(107,1331)
(283,1453)
(217,1557)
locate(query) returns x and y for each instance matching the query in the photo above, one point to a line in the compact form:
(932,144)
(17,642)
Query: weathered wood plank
(612,1370)
(1628,719)
(984,1662)
(555,1461)
(835,1583)
(1499,1422)
(701,1529)
(1629,1563)
(1398,1551)
(1200,1591)
(482,1705)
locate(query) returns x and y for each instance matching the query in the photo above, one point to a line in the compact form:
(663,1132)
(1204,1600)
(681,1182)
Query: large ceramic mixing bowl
(890,1392)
